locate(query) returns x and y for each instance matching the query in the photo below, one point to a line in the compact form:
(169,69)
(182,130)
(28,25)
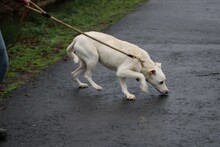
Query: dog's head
(156,77)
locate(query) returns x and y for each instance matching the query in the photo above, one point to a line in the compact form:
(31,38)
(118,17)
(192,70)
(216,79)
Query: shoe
(3,134)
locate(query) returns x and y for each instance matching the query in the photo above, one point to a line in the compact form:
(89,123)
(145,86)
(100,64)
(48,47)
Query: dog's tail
(70,52)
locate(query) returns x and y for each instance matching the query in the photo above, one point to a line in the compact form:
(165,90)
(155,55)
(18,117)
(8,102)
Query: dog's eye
(161,82)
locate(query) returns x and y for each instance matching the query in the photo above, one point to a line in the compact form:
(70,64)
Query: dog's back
(85,47)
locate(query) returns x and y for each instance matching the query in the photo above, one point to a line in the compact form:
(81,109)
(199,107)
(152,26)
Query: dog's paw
(83,85)
(131,97)
(98,88)
(144,89)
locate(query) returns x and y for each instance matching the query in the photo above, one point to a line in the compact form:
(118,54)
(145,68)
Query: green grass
(43,42)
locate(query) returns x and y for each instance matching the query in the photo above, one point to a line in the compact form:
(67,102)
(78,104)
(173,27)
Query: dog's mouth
(165,92)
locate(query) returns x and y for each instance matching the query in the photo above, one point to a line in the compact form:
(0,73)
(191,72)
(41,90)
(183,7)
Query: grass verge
(43,42)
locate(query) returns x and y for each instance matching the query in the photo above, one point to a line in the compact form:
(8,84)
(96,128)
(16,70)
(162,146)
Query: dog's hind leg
(88,76)
(90,64)
(77,72)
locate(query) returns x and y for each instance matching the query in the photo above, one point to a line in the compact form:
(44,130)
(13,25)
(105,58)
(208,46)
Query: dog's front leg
(125,73)
(125,90)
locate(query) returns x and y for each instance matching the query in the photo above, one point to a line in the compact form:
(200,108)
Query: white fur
(89,52)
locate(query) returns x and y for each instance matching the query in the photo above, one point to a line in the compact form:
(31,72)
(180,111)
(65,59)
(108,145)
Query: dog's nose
(166,92)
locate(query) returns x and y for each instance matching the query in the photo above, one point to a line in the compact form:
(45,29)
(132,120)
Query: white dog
(90,52)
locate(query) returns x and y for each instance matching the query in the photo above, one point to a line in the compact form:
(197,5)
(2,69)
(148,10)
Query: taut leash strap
(45,14)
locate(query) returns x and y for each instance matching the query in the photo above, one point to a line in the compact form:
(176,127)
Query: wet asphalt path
(184,35)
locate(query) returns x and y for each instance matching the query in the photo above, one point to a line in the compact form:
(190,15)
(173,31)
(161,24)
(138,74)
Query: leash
(45,14)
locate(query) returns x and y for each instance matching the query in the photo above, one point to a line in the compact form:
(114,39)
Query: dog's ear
(158,64)
(152,71)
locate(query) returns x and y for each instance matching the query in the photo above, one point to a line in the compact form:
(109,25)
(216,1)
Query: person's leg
(3,58)
(3,70)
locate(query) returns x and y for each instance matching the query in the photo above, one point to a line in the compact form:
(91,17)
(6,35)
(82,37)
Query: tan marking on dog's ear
(158,64)
(152,71)
(142,62)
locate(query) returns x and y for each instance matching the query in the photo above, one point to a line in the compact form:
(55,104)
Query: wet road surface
(184,35)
